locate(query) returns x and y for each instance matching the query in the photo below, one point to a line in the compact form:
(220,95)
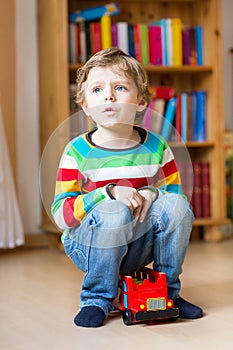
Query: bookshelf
(56,74)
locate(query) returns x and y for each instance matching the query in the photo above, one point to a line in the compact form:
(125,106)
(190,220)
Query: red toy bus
(144,297)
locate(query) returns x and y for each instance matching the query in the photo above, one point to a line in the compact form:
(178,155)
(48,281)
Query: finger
(143,212)
(135,203)
(136,215)
(137,200)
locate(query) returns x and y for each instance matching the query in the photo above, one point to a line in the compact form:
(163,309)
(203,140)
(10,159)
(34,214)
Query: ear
(142,105)
(84,106)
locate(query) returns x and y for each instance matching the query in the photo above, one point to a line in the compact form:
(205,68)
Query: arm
(71,203)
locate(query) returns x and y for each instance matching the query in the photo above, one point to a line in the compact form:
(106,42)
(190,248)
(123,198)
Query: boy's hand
(149,198)
(127,195)
(138,202)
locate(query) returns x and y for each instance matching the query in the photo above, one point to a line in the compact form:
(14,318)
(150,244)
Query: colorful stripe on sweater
(85,170)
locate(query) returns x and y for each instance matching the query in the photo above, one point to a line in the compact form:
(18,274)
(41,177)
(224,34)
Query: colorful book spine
(137,42)
(177,42)
(199,44)
(164,92)
(157,115)
(186,45)
(199,116)
(184,117)
(106,35)
(193,57)
(83,56)
(155,45)
(148,115)
(178,120)
(169,42)
(114,35)
(131,45)
(87,26)
(201,189)
(169,117)
(163,25)
(93,13)
(96,42)
(122,34)
(144,44)
(197,202)
(206,212)
(73,55)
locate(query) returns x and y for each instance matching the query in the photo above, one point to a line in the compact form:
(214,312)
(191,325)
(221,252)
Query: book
(73,52)
(193,57)
(163,25)
(184,117)
(186,45)
(137,42)
(93,13)
(83,48)
(122,34)
(131,45)
(201,189)
(189,116)
(144,44)
(199,115)
(164,92)
(169,42)
(155,44)
(205,173)
(114,35)
(178,120)
(157,115)
(141,43)
(148,115)
(197,189)
(106,34)
(199,44)
(96,38)
(177,42)
(153,117)
(87,26)
(169,117)
(159,105)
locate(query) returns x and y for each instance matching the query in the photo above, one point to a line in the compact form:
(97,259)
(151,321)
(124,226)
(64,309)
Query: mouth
(110,111)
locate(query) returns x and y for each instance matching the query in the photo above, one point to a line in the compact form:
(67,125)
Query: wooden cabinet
(55,73)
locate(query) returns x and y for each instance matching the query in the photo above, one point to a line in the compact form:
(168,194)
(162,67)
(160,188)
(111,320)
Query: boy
(118,193)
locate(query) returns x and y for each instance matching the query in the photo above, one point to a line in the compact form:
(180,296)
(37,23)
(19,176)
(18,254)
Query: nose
(110,98)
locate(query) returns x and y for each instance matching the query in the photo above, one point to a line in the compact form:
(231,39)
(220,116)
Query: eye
(121,88)
(96,90)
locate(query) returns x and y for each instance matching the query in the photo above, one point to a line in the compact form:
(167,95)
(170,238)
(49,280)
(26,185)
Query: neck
(125,136)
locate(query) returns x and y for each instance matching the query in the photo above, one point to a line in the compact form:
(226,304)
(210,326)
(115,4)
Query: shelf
(54,98)
(165,69)
(193,144)
(211,222)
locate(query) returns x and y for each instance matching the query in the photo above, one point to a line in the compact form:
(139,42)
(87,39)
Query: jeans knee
(113,214)
(175,211)
(112,224)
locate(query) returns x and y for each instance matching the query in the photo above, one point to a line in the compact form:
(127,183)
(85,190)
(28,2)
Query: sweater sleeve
(168,178)
(71,204)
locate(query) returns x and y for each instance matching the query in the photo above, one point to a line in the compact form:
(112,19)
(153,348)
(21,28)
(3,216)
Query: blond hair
(111,57)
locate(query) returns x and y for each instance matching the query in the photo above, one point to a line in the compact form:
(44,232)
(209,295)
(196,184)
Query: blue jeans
(108,243)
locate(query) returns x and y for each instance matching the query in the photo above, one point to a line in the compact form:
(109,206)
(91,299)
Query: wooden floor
(39,295)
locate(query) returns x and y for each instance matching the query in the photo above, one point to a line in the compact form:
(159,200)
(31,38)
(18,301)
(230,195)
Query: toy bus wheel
(127,317)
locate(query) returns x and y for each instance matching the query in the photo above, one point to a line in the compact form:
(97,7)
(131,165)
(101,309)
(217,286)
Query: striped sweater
(85,169)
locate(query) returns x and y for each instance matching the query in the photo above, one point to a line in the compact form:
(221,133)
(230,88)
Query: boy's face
(111,96)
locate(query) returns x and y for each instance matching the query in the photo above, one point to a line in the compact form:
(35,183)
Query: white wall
(27,114)
(227,23)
